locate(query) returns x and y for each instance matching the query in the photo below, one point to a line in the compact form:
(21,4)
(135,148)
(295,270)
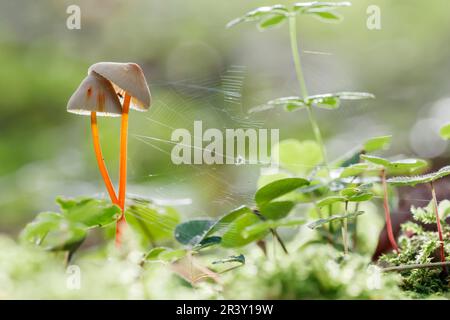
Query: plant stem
(280,241)
(387,212)
(100,159)
(345,231)
(302,84)
(121,223)
(439,228)
(416,266)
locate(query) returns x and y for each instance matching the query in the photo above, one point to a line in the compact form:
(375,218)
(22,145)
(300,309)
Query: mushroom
(129,83)
(96,96)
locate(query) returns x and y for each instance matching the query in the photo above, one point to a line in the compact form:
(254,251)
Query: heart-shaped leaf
(299,157)
(191,233)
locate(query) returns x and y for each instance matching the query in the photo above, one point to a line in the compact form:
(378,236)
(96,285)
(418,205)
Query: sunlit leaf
(234,237)
(445,131)
(276,210)
(299,157)
(165,254)
(356,169)
(277,189)
(273,21)
(53,231)
(88,211)
(377,143)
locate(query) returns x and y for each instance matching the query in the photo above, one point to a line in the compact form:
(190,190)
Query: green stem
(302,84)
(345,230)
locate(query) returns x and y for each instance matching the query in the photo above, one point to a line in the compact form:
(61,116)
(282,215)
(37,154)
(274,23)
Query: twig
(416,266)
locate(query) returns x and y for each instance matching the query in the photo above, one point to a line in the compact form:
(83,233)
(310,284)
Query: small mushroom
(96,96)
(129,83)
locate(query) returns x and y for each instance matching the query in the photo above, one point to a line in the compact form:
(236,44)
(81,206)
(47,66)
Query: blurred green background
(189,57)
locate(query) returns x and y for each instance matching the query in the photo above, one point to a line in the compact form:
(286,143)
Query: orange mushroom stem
(100,159)
(121,222)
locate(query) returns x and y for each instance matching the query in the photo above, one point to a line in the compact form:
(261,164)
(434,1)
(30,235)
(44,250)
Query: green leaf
(276,210)
(239,259)
(330,200)
(191,233)
(320,222)
(332,100)
(445,131)
(325,101)
(165,254)
(314,6)
(277,189)
(404,165)
(377,143)
(154,223)
(357,169)
(356,194)
(208,242)
(424,215)
(271,22)
(259,13)
(299,157)
(289,103)
(233,237)
(53,231)
(88,211)
(265,226)
(329,17)
(426,178)
(376,160)
(228,218)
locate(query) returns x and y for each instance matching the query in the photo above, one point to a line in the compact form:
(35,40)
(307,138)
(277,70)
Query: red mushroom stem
(121,222)
(100,159)
(387,212)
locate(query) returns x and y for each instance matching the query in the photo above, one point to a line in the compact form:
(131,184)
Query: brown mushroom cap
(127,77)
(95,94)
